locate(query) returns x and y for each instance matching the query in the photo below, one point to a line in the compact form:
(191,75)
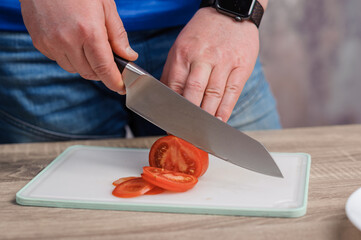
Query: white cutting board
(82,176)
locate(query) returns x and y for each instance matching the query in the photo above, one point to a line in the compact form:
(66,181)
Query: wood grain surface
(335,174)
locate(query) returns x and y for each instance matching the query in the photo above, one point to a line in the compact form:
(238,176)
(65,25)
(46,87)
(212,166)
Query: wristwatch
(238,9)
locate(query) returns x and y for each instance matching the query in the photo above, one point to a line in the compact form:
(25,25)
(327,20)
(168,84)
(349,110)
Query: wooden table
(335,174)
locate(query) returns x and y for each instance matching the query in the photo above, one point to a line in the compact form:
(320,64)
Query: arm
(80,36)
(212,59)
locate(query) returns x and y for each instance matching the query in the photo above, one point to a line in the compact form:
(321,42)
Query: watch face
(237,7)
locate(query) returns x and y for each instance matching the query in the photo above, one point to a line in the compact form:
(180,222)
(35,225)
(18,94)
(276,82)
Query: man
(209,62)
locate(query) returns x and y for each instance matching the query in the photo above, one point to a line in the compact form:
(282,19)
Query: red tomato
(169,180)
(175,154)
(123,179)
(132,188)
(155,191)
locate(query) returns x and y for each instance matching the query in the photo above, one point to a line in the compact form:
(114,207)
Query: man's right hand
(80,36)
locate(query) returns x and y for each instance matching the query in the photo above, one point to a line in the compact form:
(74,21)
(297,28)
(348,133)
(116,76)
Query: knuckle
(114,86)
(238,61)
(56,39)
(196,85)
(234,88)
(177,80)
(64,66)
(85,30)
(121,33)
(89,76)
(43,47)
(182,51)
(102,69)
(38,45)
(69,69)
(213,92)
(176,86)
(40,42)
(212,55)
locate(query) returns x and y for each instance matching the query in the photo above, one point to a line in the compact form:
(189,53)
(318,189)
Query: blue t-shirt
(135,14)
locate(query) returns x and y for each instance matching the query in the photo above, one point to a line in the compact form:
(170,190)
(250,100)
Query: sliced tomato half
(169,180)
(132,188)
(121,180)
(155,191)
(175,154)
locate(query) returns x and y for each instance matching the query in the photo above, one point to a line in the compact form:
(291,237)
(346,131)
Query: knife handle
(121,62)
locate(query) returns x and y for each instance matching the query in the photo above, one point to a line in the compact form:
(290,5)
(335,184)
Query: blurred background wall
(311,53)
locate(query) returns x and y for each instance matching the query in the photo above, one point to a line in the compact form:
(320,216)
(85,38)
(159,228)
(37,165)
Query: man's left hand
(211,61)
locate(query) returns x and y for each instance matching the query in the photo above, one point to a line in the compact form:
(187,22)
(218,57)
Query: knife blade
(163,107)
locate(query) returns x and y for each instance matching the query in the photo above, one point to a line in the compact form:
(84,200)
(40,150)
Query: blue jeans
(39,101)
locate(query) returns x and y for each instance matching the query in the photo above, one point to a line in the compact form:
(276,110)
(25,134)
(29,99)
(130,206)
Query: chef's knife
(170,111)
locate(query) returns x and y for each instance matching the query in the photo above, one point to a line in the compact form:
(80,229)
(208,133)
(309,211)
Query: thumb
(117,35)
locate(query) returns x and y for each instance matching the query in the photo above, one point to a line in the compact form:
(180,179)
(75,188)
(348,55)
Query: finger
(100,57)
(197,82)
(60,57)
(64,63)
(176,76)
(118,37)
(47,54)
(46,51)
(215,89)
(235,83)
(165,73)
(80,63)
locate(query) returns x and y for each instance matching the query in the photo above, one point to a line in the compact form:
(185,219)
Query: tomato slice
(155,191)
(169,180)
(175,154)
(123,179)
(132,188)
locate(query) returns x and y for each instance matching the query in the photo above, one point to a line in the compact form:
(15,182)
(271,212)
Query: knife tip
(274,171)
(278,174)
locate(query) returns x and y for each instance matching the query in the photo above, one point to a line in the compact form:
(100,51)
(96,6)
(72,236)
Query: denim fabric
(41,102)
(256,107)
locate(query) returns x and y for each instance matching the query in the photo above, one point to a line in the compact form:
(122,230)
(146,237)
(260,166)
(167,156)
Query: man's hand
(211,61)
(80,36)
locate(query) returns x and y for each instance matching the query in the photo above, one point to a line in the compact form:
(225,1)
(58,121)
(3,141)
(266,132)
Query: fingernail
(122,92)
(130,51)
(220,118)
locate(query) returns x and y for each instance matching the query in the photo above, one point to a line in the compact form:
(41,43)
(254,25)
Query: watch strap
(206,3)
(256,15)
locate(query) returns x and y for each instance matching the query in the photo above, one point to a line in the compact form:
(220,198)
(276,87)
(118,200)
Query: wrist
(214,17)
